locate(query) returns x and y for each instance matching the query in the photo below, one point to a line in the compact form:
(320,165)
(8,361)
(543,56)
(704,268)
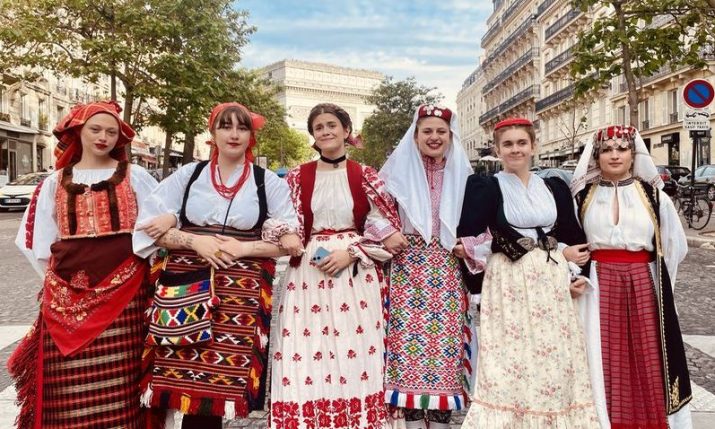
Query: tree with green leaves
(395,102)
(636,38)
(131,40)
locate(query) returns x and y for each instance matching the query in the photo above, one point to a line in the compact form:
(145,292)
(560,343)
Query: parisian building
(538,86)
(305,84)
(29,110)
(470,105)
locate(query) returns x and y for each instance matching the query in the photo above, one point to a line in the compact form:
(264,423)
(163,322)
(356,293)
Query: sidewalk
(704,238)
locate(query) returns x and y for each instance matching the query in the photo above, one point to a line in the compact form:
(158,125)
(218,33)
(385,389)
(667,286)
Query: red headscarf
(67,131)
(257,122)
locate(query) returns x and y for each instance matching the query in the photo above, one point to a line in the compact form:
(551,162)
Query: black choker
(336,162)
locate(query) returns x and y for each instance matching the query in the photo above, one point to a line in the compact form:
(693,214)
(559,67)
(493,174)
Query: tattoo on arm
(175,239)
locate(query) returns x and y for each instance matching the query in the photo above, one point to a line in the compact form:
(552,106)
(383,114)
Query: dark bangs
(226,118)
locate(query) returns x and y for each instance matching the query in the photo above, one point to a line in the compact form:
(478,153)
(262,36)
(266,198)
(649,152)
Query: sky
(437,41)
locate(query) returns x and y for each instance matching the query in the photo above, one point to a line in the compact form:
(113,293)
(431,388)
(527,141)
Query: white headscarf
(406,180)
(588,171)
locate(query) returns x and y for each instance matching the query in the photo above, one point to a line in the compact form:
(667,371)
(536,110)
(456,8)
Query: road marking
(11,333)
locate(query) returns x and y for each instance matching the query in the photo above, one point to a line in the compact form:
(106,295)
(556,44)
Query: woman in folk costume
(234,216)
(428,326)
(80,365)
(637,359)
(518,232)
(329,344)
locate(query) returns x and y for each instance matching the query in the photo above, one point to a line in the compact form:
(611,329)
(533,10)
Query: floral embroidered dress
(532,370)
(329,343)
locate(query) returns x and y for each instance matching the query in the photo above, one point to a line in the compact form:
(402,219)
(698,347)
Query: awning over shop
(7,126)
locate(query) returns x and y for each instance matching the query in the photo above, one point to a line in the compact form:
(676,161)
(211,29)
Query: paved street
(695,301)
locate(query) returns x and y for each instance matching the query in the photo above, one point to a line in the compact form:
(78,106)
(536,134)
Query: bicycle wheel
(700,213)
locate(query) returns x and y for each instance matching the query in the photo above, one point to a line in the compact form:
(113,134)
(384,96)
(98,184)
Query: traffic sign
(696,119)
(698,93)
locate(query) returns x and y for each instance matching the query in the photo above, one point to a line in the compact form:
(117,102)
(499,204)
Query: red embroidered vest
(105,208)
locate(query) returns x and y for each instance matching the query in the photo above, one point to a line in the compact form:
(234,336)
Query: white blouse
(206,207)
(46,230)
(527,206)
(332,203)
(634,229)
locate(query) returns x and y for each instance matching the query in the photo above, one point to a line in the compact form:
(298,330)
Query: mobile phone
(318,257)
(320,254)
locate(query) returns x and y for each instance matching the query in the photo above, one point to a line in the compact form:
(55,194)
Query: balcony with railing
(4,116)
(555,98)
(543,6)
(645,124)
(674,117)
(520,31)
(510,11)
(491,113)
(530,92)
(524,95)
(558,61)
(491,32)
(509,71)
(25,122)
(561,23)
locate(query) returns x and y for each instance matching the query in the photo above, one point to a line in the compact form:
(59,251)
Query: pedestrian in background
(234,216)
(328,348)
(425,375)
(80,365)
(637,359)
(518,232)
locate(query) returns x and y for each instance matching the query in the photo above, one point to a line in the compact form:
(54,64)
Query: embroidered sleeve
(38,228)
(375,190)
(282,217)
(274,229)
(478,250)
(367,252)
(293,180)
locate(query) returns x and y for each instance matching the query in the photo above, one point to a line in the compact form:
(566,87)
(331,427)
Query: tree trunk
(128,103)
(627,69)
(167,152)
(113,85)
(189,143)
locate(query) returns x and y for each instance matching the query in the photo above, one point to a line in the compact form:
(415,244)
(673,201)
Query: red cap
(426,110)
(513,121)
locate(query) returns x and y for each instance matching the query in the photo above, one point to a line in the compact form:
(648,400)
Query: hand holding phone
(335,261)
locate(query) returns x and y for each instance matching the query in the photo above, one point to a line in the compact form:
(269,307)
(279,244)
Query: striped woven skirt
(98,386)
(228,377)
(630,346)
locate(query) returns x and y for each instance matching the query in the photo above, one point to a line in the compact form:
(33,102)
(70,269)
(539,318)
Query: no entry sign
(698,93)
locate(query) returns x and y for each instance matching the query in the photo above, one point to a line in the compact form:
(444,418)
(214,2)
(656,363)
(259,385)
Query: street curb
(700,241)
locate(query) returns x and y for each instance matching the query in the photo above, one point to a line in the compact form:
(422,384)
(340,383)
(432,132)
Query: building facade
(30,110)
(470,105)
(511,62)
(306,84)
(548,30)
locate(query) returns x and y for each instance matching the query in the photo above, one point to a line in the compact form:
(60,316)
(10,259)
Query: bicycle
(695,206)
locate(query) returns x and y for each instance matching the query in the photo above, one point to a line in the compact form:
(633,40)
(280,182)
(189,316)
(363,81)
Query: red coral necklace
(228,192)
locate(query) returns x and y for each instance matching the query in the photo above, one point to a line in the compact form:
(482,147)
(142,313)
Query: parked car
(17,194)
(569,165)
(677,171)
(671,186)
(564,175)
(704,176)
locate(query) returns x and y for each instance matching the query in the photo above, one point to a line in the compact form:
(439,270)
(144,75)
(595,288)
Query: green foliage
(631,40)
(396,102)
(283,146)
(173,51)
